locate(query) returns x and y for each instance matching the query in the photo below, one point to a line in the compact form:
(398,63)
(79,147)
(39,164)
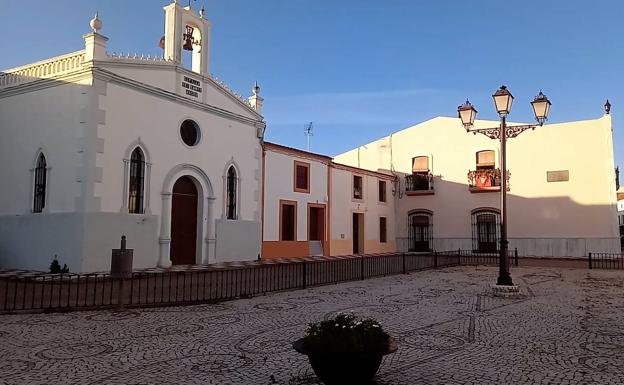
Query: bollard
(404,267)
(590,261)
(121,268)
(516,256)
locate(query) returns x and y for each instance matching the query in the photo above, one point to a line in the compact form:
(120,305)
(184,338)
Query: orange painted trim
(282,203)
(285,249)
(296,152)
(262,201)
(307,166)
(329,209)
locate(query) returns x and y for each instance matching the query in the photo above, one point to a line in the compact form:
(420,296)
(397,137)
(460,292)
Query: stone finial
(202,12)
(607,107)
(96,23)
(256,89)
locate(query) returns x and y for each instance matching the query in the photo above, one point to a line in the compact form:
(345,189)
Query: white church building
(95,146)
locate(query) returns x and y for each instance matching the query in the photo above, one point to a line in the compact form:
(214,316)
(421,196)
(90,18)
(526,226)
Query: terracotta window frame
(379,190)
(283,203)
(295,166)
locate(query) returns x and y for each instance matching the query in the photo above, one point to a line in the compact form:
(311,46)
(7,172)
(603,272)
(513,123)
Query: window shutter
(485,158)
(420,164)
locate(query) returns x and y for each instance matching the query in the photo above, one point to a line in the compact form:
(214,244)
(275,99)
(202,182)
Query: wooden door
(184,222)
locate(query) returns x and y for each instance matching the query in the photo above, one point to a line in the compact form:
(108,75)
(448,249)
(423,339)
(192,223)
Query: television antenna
(307,131)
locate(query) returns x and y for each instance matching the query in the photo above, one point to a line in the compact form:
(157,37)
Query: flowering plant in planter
(345,349)
(345,334)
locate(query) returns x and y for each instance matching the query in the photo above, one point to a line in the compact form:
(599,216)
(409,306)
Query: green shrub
(346,334)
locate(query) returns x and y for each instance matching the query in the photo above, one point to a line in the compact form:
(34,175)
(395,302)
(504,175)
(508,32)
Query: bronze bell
(188,39)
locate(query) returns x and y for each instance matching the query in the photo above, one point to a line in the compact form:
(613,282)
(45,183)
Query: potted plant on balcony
(345,350)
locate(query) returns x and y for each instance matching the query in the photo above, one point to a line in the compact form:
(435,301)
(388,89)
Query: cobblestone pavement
(567,329)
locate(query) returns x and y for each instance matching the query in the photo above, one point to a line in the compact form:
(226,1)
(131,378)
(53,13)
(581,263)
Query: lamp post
(503,100)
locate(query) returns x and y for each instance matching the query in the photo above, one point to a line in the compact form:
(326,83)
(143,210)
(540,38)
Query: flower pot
(344,369)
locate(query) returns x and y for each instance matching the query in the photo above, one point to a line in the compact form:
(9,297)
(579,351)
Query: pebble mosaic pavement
(568,328)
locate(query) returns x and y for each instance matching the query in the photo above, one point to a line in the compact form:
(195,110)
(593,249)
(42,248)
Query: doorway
(184,222)
(358,233)
(316,224)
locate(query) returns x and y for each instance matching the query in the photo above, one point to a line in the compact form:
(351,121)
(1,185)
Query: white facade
(561,200)
(87,112)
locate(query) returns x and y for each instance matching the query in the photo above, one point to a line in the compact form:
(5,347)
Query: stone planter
(343,369)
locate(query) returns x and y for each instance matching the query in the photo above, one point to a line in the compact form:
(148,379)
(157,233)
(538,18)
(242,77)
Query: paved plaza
(567,329)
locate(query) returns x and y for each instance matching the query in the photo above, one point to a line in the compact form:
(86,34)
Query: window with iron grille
(420,231)
(383,236)
(136,183)
(40,184)
(231,193)
(485,231)
(382,191)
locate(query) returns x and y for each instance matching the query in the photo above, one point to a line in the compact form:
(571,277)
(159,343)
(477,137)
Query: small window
(288,219)
(357,187)
(485,160)
(302,177)
(41,172)
(136,185)
(382,230)
(382,191)
(485,230)
(190,133)
(231,193)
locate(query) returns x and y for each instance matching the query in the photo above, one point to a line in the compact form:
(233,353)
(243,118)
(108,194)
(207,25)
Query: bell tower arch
(186,30)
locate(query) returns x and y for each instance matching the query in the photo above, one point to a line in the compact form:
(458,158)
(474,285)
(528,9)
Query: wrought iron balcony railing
(489,179)
(419,183)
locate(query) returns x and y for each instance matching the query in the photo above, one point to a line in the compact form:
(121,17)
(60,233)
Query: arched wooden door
(184,222)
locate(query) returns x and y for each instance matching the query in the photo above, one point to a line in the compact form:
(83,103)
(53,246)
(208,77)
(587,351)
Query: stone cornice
(105,75)
(92,71)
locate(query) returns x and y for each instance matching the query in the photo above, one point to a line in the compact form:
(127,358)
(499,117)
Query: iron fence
(606,261)
(64,292)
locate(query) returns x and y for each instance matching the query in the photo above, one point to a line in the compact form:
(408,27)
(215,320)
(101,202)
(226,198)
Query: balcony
(419,184)
(485,180)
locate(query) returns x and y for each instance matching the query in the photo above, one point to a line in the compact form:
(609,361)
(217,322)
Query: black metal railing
(62,292)
(469,257)
(418,182)
(610,261)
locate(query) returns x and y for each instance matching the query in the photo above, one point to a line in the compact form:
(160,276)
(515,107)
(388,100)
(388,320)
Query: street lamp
(503,99)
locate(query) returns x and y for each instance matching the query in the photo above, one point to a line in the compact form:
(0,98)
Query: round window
(189,131)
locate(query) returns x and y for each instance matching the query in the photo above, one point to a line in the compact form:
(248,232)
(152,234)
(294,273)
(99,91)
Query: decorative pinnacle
(202,12)
(607,107)
(256,89)
(96,23)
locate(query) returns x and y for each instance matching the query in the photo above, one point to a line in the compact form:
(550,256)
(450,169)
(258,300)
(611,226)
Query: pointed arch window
(137,182)
(232,182)
(41,171)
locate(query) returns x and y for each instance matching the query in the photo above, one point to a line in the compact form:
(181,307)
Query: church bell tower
(186,30)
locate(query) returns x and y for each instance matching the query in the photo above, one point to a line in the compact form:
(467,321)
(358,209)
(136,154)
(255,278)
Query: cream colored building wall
(580,211)
(279,185)
(344,206)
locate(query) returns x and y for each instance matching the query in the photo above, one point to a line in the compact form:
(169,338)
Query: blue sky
(361,69)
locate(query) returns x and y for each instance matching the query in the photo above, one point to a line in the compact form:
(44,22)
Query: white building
(308,199)
(561,199)
(96,145)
